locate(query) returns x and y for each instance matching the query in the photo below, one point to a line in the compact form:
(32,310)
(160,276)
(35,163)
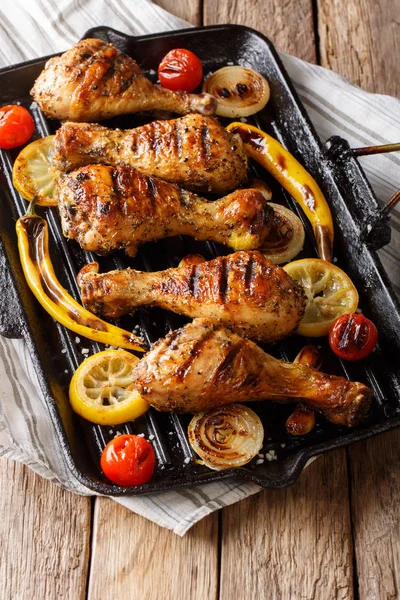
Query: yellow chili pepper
(271,155)
(32,234)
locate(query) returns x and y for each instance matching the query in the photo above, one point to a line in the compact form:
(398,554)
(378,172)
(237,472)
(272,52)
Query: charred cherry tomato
(180,69)
(16,126)
(128,460)
(353,337)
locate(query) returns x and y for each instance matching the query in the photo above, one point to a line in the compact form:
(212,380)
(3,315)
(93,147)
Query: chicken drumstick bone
(195,152)
(247,292)
(110,208)
(94,81)
(204,365)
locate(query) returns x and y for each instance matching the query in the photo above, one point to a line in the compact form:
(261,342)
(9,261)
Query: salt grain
(271,455)
(77,339)
(151,437)
(260,461)
(64,351)
(187,460)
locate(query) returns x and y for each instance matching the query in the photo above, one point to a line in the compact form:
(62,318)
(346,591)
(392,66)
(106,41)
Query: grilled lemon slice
(330,293)
(101,389)
(34,174)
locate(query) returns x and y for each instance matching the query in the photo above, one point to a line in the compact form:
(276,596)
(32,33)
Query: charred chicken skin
(195,152)
(204,365)
(94,81)
(110,208)
(244,290)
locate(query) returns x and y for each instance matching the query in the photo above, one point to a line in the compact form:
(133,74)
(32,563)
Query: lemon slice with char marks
(34,174)
(102,389)
(330,293)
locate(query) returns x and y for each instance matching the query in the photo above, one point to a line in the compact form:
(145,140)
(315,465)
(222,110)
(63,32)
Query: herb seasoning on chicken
(244,290)
(94,81)
(195,152)
(111,208)
(204,365)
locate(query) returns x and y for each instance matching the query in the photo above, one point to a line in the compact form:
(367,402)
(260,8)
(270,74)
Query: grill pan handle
(369,232)
(374,228)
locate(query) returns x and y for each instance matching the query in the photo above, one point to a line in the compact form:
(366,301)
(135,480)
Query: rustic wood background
(333,535)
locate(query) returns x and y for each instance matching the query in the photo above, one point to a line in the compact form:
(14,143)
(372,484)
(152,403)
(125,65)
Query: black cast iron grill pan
(57,352)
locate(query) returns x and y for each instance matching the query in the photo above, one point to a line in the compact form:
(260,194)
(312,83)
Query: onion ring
(229,436)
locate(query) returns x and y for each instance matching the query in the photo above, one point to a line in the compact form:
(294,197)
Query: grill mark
(227,362)
(177,139)
(118,201)
(134,143)
(152,193)
(127,83)
(151,138)
(194,281)
(107,74)
(250,273)
(223,278)
(182,371)
(205,142)
(172,338)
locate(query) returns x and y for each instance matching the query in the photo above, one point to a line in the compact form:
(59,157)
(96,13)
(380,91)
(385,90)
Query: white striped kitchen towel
(33,28)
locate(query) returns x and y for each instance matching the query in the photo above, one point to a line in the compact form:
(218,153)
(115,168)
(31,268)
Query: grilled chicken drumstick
(195,152)
(94,81)
(111,208)
(244,290)
(204,365)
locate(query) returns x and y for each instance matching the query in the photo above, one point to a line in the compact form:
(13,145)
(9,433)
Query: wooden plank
(189,10)
(293,543)
(375,493)
(360,39)
(288,25)
(134,558)
(44,533)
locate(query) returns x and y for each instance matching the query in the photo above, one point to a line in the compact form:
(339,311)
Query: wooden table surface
(335,533)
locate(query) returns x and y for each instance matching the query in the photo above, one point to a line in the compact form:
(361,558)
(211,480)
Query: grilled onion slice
(240,92)
(286,238)
(229,436)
